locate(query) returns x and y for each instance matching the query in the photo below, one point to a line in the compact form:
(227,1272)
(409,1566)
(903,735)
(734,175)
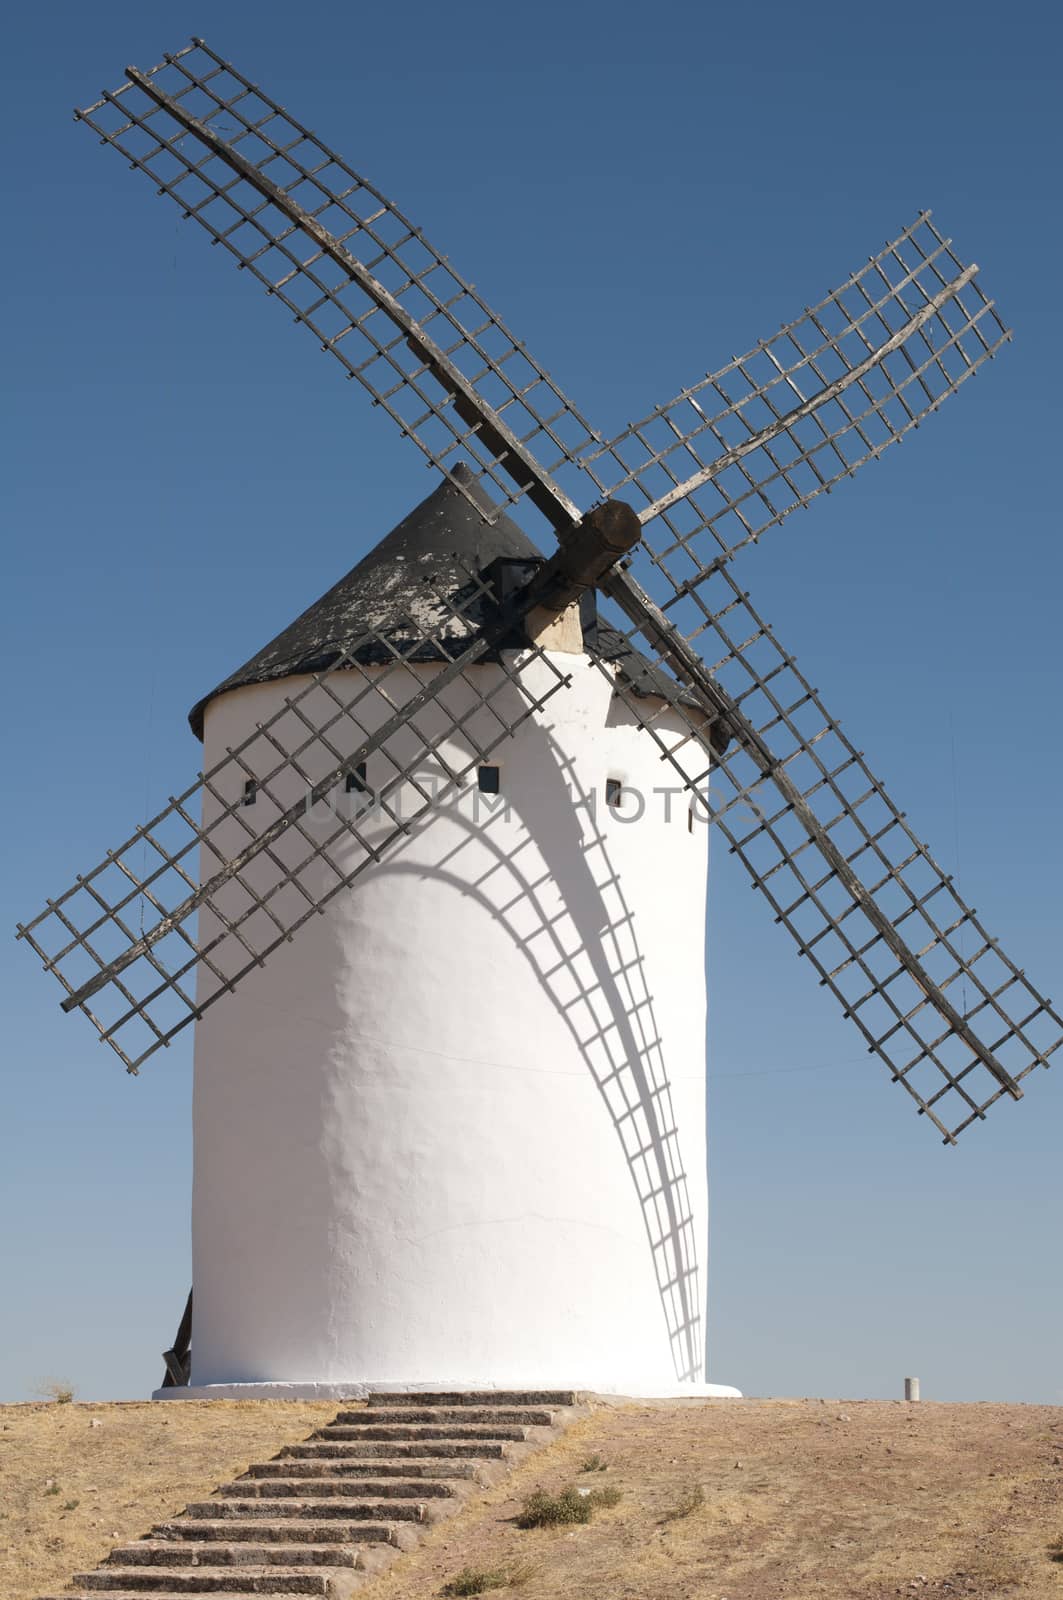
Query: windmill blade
(352,269)
(954,1019)
(355,756)
(738,451)
(723,461)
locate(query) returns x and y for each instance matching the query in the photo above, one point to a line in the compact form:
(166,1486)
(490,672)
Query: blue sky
(641,193)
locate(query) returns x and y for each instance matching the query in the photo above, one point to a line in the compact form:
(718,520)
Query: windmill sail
(956,1022)
(349,267)
(883,927)
(379,725)
(767,432)
(736,452)
(206,891)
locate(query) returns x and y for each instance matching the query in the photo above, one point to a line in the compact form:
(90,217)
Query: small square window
(355,783)
(614,790)
(488,780)
(250,791)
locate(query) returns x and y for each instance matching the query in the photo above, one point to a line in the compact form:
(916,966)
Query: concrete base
(363,1391)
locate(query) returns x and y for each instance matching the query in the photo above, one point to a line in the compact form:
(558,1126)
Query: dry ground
(69,1491)
(803,1500)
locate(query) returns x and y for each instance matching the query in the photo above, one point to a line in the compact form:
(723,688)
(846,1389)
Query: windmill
(444,965)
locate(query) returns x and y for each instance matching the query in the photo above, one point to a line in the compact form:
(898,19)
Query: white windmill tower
(440,922)
(454,1134)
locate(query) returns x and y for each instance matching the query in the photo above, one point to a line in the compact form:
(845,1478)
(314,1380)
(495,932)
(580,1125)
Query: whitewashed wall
(455,1132)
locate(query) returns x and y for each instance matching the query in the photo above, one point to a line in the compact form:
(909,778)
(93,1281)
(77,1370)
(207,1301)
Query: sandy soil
(802,1500)
(70,1490)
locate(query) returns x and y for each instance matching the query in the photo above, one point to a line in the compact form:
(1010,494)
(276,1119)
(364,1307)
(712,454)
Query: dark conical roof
(444,539)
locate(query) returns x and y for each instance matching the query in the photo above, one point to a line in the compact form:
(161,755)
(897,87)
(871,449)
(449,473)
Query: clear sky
(641,192)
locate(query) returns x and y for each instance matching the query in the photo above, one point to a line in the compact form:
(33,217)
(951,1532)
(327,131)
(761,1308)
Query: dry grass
(480,1580)
(689,1501)
(70,1490)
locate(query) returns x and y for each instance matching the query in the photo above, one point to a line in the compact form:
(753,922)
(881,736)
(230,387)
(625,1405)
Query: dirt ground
(802,1500)
(77,1479)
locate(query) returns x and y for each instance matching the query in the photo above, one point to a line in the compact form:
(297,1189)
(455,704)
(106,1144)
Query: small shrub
(542,1510)
(601,1499)
(71,1505)
(478,1580)
(595,1463)
(51,1487)
(56,1389)
(689,1501)
(475,1580)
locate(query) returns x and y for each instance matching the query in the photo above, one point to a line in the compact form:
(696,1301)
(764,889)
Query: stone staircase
(322,1515)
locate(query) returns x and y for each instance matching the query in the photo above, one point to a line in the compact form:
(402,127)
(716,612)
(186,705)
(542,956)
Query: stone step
(223,1583)
(371,1477)
(294,1526)
(366,1450)
(355,1510)
(276,1525)
(170,1553)
(480,1397)
(411,1433)
(438,1415)
(395,1491)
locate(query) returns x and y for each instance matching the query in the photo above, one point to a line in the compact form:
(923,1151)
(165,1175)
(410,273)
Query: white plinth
(364,1391)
